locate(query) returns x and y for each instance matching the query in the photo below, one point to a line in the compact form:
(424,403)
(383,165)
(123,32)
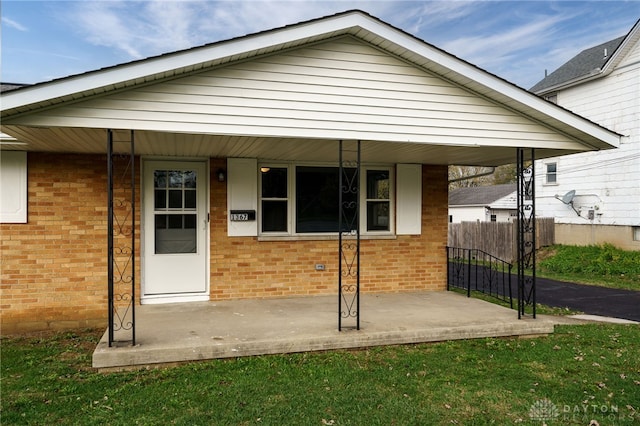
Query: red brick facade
(54,268)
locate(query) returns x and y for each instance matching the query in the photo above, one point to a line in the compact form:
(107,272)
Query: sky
(516,40)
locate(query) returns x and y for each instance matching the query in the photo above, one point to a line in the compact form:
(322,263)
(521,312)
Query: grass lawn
(605,266)
(579,374)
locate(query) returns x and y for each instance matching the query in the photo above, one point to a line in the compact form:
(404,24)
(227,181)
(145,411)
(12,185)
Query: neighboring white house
(595,196)
(497,203)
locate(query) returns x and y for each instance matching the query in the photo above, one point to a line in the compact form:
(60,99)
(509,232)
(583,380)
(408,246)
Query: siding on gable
(338,89)
(604,181)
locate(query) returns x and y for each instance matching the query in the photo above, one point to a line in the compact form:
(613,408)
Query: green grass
(604,265)
(47,380)
(528,309)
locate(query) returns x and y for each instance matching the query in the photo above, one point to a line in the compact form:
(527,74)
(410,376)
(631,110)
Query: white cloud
(424,16)
(146,28)
(14,24)
(488,49)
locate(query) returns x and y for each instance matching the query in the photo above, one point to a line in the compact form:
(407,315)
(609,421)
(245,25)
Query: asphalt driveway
(589,299)
(592,300)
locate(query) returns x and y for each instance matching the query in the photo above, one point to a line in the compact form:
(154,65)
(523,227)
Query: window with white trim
(551,170)
(274,203)
(299,199)
(378,200)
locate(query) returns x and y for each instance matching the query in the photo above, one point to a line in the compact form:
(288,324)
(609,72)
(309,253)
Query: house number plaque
(242,215)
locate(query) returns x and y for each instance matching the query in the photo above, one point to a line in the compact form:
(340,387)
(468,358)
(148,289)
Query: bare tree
(470,176)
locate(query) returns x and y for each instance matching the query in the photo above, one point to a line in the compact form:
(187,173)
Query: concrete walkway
(197,331)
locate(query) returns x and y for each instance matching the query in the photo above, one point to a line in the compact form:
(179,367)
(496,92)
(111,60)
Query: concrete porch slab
(206,330)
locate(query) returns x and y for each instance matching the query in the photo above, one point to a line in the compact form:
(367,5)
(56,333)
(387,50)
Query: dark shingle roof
(479,195)
(581,65)
(6,87)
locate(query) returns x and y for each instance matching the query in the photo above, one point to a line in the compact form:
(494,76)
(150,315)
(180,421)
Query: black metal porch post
(349,236)
(110,231)
(121,220)
(526,237)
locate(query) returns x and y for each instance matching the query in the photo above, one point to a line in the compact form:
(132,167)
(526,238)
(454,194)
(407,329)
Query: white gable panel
(338,89)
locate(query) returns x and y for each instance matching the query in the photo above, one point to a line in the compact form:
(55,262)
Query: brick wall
(245,267)
(54,268)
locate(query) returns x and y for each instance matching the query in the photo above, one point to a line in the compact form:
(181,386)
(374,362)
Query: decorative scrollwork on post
(121,236)
(349,236)
(526,231)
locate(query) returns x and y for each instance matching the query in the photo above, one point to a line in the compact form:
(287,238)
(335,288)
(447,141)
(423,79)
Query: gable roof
(594,62)
(578,134)
(480,195)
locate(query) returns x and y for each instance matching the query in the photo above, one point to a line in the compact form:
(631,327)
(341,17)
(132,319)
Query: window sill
(324,237)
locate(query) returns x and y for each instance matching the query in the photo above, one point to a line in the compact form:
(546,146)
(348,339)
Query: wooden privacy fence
(499,239)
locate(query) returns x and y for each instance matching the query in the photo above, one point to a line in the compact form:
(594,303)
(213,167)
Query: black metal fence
(476,270)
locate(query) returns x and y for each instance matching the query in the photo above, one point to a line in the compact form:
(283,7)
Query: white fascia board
(629,41)
(144,68)
(597,73)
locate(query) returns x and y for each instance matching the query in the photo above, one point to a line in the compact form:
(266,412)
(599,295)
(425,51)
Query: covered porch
(283,99)
(173,333)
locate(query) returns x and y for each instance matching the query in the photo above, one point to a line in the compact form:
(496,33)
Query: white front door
(175,231)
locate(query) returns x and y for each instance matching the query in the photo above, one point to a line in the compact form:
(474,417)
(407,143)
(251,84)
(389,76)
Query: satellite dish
(568,197)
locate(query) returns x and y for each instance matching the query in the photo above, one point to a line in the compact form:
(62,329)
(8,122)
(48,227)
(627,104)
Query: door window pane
(160,178)
(175,202)
(189,199)
(175,179)
(175,233)
(160,199)
(189,179)
(175,199)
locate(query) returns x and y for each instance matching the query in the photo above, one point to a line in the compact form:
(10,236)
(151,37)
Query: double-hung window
(378,200)
(551,173)
(274,199)
(304,199)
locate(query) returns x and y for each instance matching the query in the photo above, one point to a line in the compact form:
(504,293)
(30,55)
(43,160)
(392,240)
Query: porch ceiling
(149,143)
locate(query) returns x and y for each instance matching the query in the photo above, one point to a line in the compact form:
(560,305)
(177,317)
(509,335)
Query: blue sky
(517,40)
